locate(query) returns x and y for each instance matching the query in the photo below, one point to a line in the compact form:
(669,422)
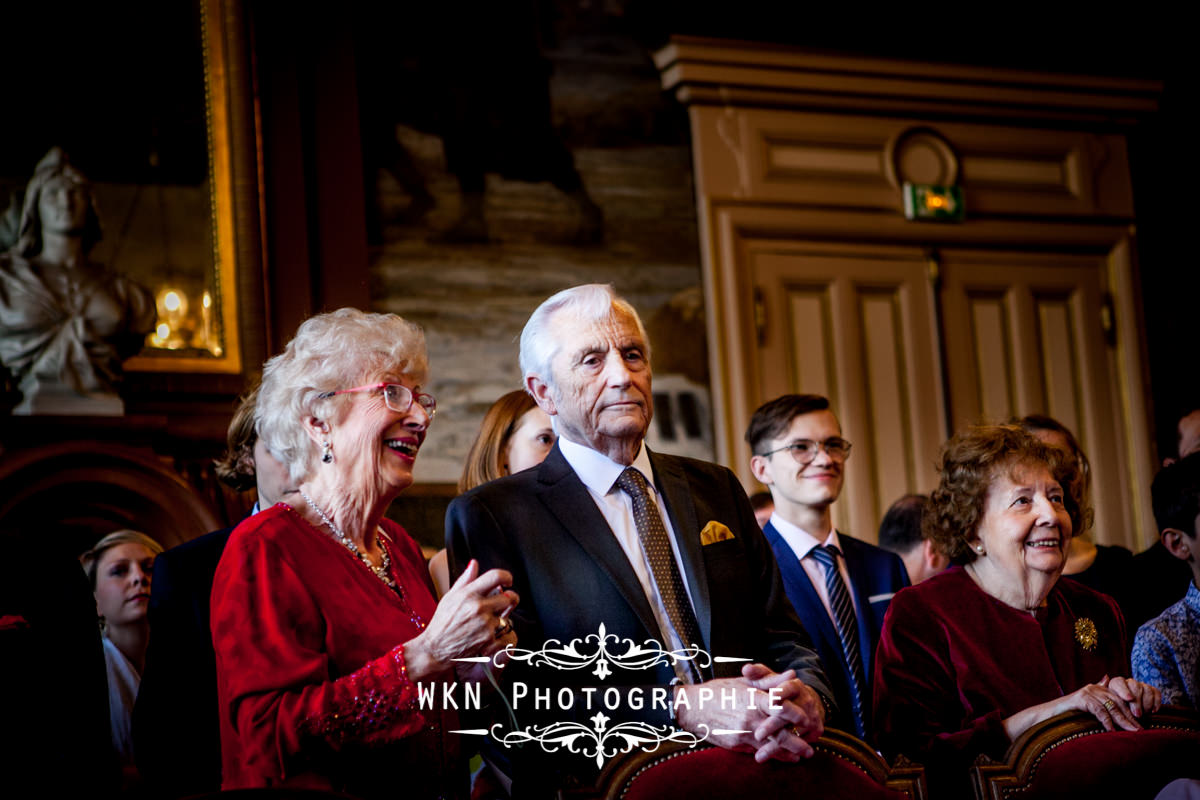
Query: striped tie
(847,627)
(663,569)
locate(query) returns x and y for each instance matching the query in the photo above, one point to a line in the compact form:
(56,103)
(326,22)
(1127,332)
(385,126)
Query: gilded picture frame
(224,117)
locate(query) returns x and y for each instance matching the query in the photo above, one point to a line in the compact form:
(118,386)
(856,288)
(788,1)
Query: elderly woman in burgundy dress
(972,658)
(323,614)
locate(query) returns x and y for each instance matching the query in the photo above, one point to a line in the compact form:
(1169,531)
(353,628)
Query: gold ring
(1108,705)
(503,628)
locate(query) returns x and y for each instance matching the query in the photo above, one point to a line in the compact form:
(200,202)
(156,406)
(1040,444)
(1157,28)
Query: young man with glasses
(840,586)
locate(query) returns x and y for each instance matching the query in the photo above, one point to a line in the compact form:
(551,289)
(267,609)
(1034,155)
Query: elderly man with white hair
(607,534)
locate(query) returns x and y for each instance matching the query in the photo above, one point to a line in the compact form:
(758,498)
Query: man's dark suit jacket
(572,575)
(176,738)
(874,573)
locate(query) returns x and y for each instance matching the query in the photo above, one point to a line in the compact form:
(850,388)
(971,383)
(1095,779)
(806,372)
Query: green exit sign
(936,203)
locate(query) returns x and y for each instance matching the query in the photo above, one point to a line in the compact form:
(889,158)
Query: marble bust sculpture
(66,324)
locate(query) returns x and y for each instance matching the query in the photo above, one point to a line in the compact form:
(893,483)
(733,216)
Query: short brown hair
(236,468)
(485,459)
(971,461)
(773,418)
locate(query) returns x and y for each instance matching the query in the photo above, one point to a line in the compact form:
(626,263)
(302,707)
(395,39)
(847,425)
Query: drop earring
(326,452)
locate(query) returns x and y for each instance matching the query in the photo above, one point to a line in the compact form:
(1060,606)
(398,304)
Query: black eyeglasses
(396,396)
(805,450)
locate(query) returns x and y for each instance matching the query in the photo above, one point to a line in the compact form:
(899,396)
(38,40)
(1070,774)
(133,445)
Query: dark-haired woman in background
(971,658)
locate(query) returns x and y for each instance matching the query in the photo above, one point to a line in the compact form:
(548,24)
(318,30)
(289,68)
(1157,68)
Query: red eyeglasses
(396,396)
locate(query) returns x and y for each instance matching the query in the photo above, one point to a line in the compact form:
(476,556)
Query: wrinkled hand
(465,623)
(779,728)
(1116,702)
(1140,698)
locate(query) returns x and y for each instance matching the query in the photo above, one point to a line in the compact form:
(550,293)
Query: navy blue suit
(874,573)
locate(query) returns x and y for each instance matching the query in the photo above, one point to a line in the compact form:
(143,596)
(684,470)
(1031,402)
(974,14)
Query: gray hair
(592,302)
(338,350)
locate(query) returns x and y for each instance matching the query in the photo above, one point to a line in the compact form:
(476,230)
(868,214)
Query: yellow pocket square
(714,532)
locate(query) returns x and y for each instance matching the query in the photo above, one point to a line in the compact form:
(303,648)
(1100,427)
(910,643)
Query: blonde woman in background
(119,567)
(515,434)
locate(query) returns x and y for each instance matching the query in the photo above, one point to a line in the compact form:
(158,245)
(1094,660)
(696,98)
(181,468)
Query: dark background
(119,86)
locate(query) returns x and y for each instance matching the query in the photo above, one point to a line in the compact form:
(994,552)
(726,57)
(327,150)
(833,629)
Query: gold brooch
(1085,634)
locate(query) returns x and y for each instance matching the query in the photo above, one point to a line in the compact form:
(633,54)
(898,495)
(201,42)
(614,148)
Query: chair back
(1072,756)
(842,767)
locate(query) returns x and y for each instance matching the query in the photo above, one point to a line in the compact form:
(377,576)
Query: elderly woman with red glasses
(323,614)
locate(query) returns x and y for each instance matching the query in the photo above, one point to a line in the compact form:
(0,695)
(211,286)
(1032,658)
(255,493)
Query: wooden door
(1024,333)
(856,323)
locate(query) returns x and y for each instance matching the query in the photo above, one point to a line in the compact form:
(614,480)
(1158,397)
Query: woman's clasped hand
(471,620)
(1117,702)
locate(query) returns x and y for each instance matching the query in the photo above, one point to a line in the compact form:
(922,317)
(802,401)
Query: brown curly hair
(236,467)
(971,461)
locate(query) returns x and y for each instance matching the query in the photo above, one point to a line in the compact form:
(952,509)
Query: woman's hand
(471,620)
(1116,702)
(1140,698)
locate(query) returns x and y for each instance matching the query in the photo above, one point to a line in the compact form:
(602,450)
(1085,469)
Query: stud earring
(326,452)
(979,549)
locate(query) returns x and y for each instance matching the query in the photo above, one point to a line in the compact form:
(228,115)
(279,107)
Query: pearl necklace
(383,571)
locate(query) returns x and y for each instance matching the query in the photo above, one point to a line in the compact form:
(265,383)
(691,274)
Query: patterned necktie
(847,626)
(663,569)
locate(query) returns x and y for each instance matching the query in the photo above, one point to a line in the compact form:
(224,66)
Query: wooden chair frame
(904,776)
(994,780)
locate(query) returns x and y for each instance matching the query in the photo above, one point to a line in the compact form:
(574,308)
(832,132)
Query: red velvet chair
(1072,756)
(843,767)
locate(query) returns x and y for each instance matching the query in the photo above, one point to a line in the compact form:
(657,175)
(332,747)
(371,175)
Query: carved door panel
(856,324)
(1021,332)
(1025,335)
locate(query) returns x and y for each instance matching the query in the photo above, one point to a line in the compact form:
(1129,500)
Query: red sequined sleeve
(277,690)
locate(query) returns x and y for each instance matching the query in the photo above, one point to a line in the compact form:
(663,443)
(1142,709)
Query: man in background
(763,505)
(840,586)
(1157,578)
(605,534)
(176,738)
(1166,650)
(900,532)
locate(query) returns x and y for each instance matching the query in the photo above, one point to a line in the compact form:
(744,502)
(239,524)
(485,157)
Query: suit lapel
(565,496)
(670,480)
(859,578)
(803,595)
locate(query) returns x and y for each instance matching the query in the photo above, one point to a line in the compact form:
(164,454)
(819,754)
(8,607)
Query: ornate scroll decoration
(595,649)
(598,742)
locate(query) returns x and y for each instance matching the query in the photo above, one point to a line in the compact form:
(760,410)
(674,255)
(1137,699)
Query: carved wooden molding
(858,161)
(716,72)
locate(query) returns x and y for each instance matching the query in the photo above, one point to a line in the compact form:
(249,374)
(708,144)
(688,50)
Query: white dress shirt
(802,542)
(599,474)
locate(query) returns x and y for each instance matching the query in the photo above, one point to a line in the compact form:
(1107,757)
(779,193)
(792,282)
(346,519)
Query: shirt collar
(1192,598)
(801,541)
(599,472)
